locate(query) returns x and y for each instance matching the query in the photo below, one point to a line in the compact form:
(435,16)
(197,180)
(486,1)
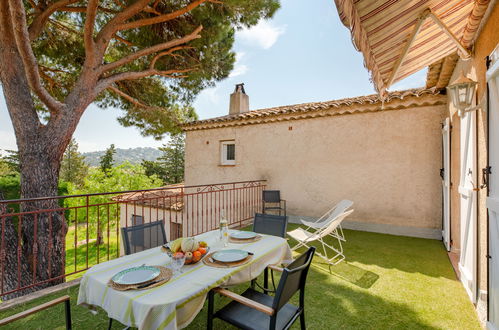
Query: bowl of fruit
(189,247)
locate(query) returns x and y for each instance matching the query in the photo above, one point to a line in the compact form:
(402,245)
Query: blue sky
(304,54)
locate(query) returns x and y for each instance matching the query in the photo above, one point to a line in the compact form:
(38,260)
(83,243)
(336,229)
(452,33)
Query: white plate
(243,235)
(136,275)
(230,255)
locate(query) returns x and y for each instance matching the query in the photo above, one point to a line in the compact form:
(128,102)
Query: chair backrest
(293,278)
(144,236)
(341,207)
(271,196)
(333,224)
(270,224)
(336,210)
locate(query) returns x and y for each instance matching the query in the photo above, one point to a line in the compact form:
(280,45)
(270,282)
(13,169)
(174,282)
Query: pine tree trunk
(33,246)
(44,231)
(37,237)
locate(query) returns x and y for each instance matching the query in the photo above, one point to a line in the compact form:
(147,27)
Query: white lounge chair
(304,237)
(334,212)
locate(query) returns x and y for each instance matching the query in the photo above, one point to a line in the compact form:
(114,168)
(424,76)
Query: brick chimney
(239,100)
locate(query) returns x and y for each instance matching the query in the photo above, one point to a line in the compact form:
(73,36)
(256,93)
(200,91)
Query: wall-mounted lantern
(461,93)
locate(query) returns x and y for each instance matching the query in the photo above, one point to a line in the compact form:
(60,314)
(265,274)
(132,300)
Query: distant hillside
(133,155)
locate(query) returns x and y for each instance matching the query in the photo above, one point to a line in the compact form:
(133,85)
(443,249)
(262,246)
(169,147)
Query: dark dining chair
(256,310)
(269,224)
(273,197)
(144,236)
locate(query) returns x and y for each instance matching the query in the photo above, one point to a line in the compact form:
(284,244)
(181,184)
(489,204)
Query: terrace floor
(386,282)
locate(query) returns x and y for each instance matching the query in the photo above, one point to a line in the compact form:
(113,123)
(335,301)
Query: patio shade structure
(400,37)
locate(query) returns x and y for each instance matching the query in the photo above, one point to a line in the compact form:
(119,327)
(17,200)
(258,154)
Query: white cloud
(211,94)
(239,68)
(264,34)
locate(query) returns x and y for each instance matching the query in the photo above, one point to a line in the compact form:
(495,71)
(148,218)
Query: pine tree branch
(127,97)
(33,4)
(18,20)
(151,10)
(123,40)
(133,75)
(81,9)
(111,27)
(150,50)
(88,35)
(167,53)
(41,19)
(137,103)
(162,18)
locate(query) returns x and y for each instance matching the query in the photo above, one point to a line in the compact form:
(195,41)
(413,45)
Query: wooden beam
(407,46)
(245,301)
(451,35)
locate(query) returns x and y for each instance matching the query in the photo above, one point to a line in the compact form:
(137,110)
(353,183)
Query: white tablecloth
(176,303)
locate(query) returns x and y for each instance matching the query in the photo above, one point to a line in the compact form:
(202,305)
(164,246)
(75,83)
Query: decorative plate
(232,255)
(136,275)
(243,235)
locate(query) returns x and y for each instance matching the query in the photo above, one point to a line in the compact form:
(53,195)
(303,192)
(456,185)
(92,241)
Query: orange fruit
(202,250)
(196,255)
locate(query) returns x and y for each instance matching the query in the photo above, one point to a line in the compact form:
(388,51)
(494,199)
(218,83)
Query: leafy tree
(119,178)
(73,165)
(148,58)
(152,167)
(107,160)
(10,162)
(9,188)
(173,158)
(4,169)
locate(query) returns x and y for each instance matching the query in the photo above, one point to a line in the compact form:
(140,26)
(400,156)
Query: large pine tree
(147,57)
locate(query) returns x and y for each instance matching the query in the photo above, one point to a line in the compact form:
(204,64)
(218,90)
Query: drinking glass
(177,263)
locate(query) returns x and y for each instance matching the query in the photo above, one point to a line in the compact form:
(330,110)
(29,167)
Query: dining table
(175,304)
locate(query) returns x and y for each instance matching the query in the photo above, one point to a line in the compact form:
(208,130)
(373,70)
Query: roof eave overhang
(435,30)
(434,98)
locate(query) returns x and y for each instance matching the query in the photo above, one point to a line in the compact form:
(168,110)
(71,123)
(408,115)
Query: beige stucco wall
(475,68)
(386,162)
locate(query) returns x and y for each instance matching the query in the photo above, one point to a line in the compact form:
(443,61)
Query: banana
(176,245)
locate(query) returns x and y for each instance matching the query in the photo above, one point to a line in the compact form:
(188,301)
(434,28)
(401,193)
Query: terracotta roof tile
(341,106)
(167,197)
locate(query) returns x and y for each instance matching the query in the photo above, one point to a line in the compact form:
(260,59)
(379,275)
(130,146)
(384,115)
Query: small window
(228,153)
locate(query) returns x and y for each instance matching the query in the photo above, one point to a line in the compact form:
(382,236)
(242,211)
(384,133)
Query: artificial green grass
(386,282)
